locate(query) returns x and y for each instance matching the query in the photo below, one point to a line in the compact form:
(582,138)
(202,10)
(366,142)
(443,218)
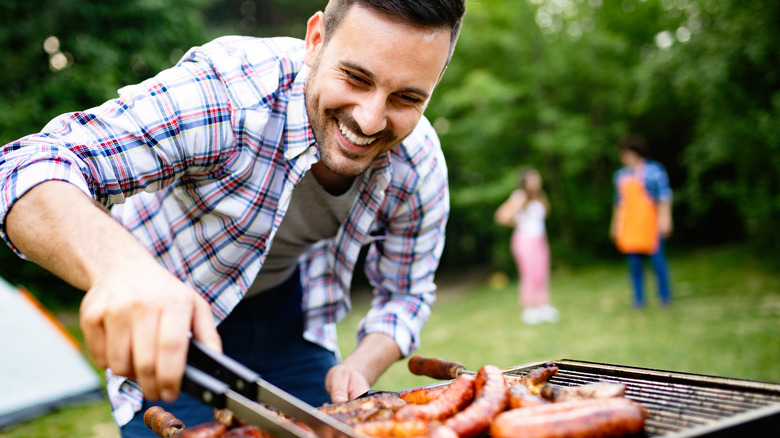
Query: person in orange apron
(642,217)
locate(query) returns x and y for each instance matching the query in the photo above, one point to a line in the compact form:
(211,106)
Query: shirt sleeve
(402,265)
(151,134)
(658,182)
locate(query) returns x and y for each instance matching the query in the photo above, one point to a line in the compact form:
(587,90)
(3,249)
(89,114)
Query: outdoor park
(553,84)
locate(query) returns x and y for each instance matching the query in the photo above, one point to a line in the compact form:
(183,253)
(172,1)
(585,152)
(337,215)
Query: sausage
(228,418)
(394,428)
(458,394)
(421,396)
(247,432)
(489,401)
(374,407)
(204,430)
(162,422)
(535,379)
(559,393)
(435,368)
(521,397)
(580,418)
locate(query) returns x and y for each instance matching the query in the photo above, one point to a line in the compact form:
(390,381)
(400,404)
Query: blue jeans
(265,333)
(636,271)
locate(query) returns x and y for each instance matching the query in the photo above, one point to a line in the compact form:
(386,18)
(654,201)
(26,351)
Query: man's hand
(138,325)
(360,369)
(136,316)
(345,383)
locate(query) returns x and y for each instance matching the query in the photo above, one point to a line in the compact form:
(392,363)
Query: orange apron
(637,216)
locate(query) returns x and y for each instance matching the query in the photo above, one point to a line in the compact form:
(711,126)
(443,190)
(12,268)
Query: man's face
(369,85)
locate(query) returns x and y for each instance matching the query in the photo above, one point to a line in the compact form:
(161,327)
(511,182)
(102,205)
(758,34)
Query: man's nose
(371,114)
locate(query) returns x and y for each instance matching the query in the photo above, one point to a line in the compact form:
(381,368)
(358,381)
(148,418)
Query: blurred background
(549,83)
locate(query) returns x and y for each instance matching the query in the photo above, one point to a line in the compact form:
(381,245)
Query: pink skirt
(532,256)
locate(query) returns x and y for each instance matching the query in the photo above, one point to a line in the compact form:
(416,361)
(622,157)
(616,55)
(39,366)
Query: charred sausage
(581,418)
(421,396)
(458,394)
(489,401)
(394,428)
(162,422)
(559,393)
(204,430)
(521,397)
(247,432)
(374,407)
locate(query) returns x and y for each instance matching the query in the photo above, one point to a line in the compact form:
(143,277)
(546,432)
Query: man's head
(374,65)
(632,149)
(444,14)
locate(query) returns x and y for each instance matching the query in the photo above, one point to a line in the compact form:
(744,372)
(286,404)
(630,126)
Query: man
(242,184)
(642,216)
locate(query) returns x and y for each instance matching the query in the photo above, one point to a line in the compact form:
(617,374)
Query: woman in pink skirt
(526,211)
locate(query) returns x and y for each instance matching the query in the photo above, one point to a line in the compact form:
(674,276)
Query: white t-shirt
(530,219)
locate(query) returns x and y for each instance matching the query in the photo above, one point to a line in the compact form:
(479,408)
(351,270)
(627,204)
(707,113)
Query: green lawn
(725,321)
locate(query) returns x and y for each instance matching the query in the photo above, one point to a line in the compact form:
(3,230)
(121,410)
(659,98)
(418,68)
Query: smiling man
(242,184)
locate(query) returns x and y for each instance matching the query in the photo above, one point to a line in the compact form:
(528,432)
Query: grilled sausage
(204,430)
(490,400)
(535,379)
(162,422)
(374,407)
(247,432)
(581,418)
(421,396)
(559,393)
(459,393)
(394,428)
(436,368)
(521,397)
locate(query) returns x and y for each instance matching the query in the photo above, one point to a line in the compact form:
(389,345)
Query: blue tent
(41,366)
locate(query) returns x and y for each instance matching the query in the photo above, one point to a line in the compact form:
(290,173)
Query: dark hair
(425,13)
(635,143)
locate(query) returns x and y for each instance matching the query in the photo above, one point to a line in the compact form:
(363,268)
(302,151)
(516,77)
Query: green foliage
(105,45)
(548,83)
(555,84)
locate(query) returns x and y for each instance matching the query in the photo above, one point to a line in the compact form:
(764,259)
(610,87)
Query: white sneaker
(549,313)
(532,315)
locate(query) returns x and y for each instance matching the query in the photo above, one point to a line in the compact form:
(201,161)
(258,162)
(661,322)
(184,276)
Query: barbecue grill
(681,404)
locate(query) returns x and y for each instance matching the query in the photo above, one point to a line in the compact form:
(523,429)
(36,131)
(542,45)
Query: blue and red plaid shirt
(199,163)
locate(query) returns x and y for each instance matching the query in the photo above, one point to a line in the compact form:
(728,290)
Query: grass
(725,321)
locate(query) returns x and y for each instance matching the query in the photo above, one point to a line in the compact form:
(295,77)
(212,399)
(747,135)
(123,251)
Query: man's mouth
(357,139)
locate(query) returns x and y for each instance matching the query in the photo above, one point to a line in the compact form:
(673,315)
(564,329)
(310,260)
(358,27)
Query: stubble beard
(324,126)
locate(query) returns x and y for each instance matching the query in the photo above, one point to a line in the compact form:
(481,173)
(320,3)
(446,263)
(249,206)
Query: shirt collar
(298,135)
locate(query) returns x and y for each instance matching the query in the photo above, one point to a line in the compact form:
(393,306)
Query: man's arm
(135,316)
(665,224)
(360,369)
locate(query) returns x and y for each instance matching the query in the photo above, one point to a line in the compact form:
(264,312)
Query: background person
(242,184)
(642,216)
(526,210)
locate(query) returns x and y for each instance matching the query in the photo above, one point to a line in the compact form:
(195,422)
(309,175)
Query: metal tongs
(224,383)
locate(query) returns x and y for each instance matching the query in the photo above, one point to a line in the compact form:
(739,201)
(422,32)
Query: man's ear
(315,36)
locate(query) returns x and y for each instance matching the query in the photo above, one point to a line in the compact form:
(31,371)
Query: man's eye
(410,99)
(355,78)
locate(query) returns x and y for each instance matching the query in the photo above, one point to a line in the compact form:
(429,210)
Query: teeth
(354,138)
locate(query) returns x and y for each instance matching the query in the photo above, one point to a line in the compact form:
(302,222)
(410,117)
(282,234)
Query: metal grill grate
(681,404)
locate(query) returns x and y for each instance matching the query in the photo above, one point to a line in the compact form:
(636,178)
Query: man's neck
(332,183)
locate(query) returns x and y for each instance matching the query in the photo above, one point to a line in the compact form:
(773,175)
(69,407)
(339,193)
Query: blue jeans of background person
(265,333)
(636,271)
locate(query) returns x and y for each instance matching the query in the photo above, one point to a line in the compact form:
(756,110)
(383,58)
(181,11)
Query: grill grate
(681,404)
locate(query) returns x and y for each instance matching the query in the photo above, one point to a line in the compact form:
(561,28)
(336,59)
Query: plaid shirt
(200,162)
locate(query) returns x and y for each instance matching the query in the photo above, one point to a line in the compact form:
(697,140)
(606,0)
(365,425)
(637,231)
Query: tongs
(224,383)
